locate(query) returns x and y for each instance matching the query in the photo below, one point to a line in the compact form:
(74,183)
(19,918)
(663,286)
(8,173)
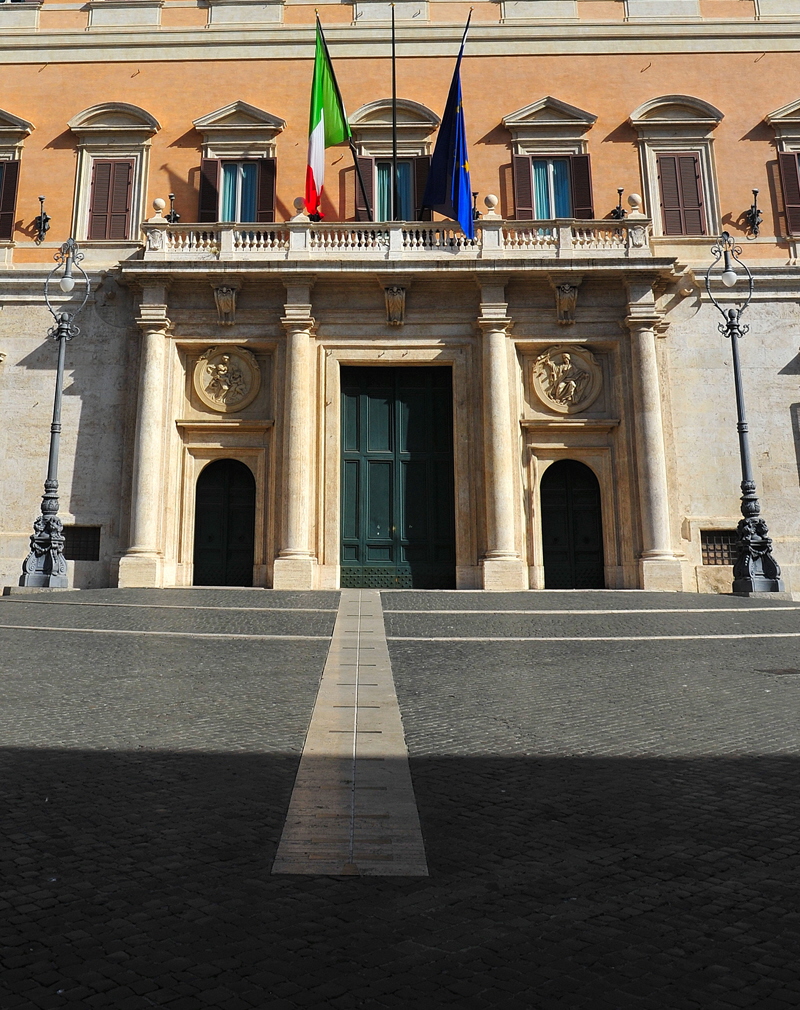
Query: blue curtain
(563,197)
(541,190)
(384,208)
(228,208)
(249,200)
(405,191)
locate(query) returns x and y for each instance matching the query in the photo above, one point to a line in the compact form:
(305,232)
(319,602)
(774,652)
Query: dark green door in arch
(572,527)
(398,509)
(224,526)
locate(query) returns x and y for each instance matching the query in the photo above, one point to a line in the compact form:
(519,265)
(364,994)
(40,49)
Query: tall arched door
(572,527)
(224,525)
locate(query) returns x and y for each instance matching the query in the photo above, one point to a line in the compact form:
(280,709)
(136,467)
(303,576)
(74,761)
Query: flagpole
(395,200)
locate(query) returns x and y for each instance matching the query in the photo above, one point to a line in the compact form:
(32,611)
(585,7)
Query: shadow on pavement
(141,879)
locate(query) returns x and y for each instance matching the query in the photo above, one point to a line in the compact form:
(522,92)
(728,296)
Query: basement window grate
(720,547)
(82,543)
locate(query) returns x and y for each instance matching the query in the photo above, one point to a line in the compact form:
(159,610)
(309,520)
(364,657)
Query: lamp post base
(755,571)
(45,566)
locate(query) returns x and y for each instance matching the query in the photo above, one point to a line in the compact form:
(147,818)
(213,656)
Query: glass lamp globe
(729,277)
(67,283)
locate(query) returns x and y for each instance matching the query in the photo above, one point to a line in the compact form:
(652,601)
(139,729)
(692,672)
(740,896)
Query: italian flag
(327,122)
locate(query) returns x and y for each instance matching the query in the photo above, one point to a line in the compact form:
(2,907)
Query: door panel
(398,510)
(225,514)
(572,528)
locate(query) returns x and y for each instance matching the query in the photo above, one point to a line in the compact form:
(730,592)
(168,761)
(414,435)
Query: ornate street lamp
(755,569)
(45,566)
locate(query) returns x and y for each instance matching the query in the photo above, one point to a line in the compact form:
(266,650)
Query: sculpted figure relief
(567,379)
(227,378)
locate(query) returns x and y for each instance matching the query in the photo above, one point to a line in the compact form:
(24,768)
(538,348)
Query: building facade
(259,399)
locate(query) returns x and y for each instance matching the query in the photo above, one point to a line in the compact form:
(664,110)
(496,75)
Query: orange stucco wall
(746,87)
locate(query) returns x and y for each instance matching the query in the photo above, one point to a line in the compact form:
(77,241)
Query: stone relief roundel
(567,378)
(227,378)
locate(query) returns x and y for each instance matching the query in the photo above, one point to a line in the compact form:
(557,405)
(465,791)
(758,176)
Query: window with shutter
(790,181)
(237,191)
(549,187)
(9,178)
(110,200)
(681,190)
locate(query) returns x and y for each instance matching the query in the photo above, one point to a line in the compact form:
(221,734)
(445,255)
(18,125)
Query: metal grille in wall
(82,543)
(719,546)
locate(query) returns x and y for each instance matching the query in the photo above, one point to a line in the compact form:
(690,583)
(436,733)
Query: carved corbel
(395,304)
(566,292)
(225,300)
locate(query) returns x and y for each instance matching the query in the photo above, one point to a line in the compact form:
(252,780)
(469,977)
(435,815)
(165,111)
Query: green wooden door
(572,528)
(224,529)
(398,509)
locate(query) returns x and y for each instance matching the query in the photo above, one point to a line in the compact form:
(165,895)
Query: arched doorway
(572,527)
(224,525)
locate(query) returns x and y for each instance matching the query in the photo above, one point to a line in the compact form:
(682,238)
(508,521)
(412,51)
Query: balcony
(401,240)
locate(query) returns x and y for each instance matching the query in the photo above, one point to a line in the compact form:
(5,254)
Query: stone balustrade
(398,240)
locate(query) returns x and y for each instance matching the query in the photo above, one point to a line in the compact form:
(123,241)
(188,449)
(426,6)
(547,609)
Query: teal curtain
(405,191)
(541,190)
(228,207)
(384,208)
(249,198)
(561,188)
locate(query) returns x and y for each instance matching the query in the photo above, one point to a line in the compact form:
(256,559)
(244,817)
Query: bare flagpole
(395,194)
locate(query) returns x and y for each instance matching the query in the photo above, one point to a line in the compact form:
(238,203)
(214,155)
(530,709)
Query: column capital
(153,318)
(298,321)
(490,323)
(642,320)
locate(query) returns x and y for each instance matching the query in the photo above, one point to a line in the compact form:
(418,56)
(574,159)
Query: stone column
(659,567)
(296,565)
(503,568)
(142,563)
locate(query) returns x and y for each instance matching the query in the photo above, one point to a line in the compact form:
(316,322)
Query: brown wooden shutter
(790,181)
(523,187)
(670,194)
(692,194)
(581,179)
(681,189)
(209,191)
(267,174)
(120,200)
(98,201)
(9,179)
(422,167)
(367,166)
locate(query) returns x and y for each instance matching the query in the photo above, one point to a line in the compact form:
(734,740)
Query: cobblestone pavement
(608,824)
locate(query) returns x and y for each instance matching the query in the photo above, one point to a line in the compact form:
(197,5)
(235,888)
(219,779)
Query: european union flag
(449,191)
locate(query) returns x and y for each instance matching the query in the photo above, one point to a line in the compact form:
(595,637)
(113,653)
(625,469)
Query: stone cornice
(358,42)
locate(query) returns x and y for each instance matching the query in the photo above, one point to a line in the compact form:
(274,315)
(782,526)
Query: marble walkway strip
(650,610)
(590,638)
(161,634)
(353,809)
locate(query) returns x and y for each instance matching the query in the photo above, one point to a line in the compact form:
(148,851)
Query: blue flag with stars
(449,191)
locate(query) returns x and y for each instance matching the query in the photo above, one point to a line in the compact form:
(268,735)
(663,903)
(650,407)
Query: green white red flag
(327,122)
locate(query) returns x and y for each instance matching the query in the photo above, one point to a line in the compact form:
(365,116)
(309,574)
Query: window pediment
(239,130)
(114,123)
(372,127)
(13,132)
(548,125)
(675,115)
(786,121)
